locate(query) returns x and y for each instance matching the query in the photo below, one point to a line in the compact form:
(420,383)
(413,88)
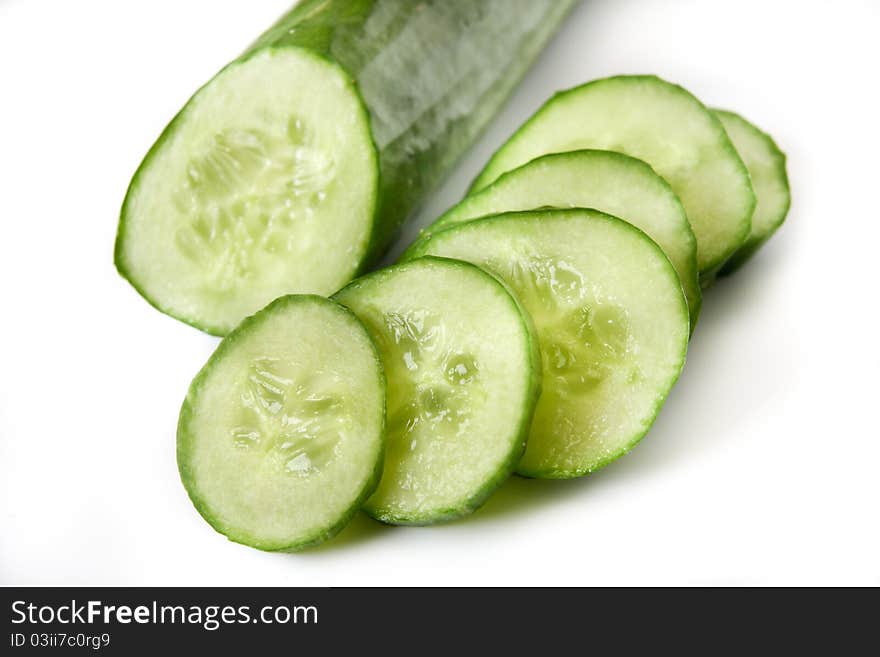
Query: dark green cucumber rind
(727,145)
(424,249)
(471,504)
(755,242)
(446,219)
(420,158)
(168,133)
(184,435)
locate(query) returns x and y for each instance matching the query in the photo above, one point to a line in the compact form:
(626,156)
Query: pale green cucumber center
(585,340)
(436,416)
(247,197)
(297,423)
(432,385)
(264,185)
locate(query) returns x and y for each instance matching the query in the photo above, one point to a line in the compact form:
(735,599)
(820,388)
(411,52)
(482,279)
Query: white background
(763,468)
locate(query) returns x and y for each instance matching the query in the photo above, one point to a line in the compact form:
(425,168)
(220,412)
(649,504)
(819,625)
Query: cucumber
(612,324)
(280,437)
(662,124)
(604,180)
(463,371)
(766,164)
(294,167)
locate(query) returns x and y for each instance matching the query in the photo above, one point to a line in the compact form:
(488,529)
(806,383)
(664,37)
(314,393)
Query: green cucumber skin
(755,242)
(422,249)
(535,378)
(354,33)
(186,411)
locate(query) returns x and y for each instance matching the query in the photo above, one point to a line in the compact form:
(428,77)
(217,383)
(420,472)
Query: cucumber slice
(766,164)
(293,169)
(280,437)
(604,180)
(612,325)
(662,124)
(464,373)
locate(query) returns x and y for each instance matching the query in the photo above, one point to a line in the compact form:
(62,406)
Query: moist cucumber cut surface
(603,180)
(463,371)
(280,438)
(265,184)
(612,324)
(766,164)
(662,124)
(294,167)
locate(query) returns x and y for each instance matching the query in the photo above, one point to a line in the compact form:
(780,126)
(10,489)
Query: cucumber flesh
(263,185)
(280,437)
(463,372)
(662,124)
(612,324)
(293,169)
(766,164)
(603,180)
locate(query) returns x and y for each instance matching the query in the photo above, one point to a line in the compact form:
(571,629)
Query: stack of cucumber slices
(535,328)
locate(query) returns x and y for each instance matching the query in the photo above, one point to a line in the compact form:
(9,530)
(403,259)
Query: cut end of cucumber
(280,437)
(612,323)
(459,405)
(264,185)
